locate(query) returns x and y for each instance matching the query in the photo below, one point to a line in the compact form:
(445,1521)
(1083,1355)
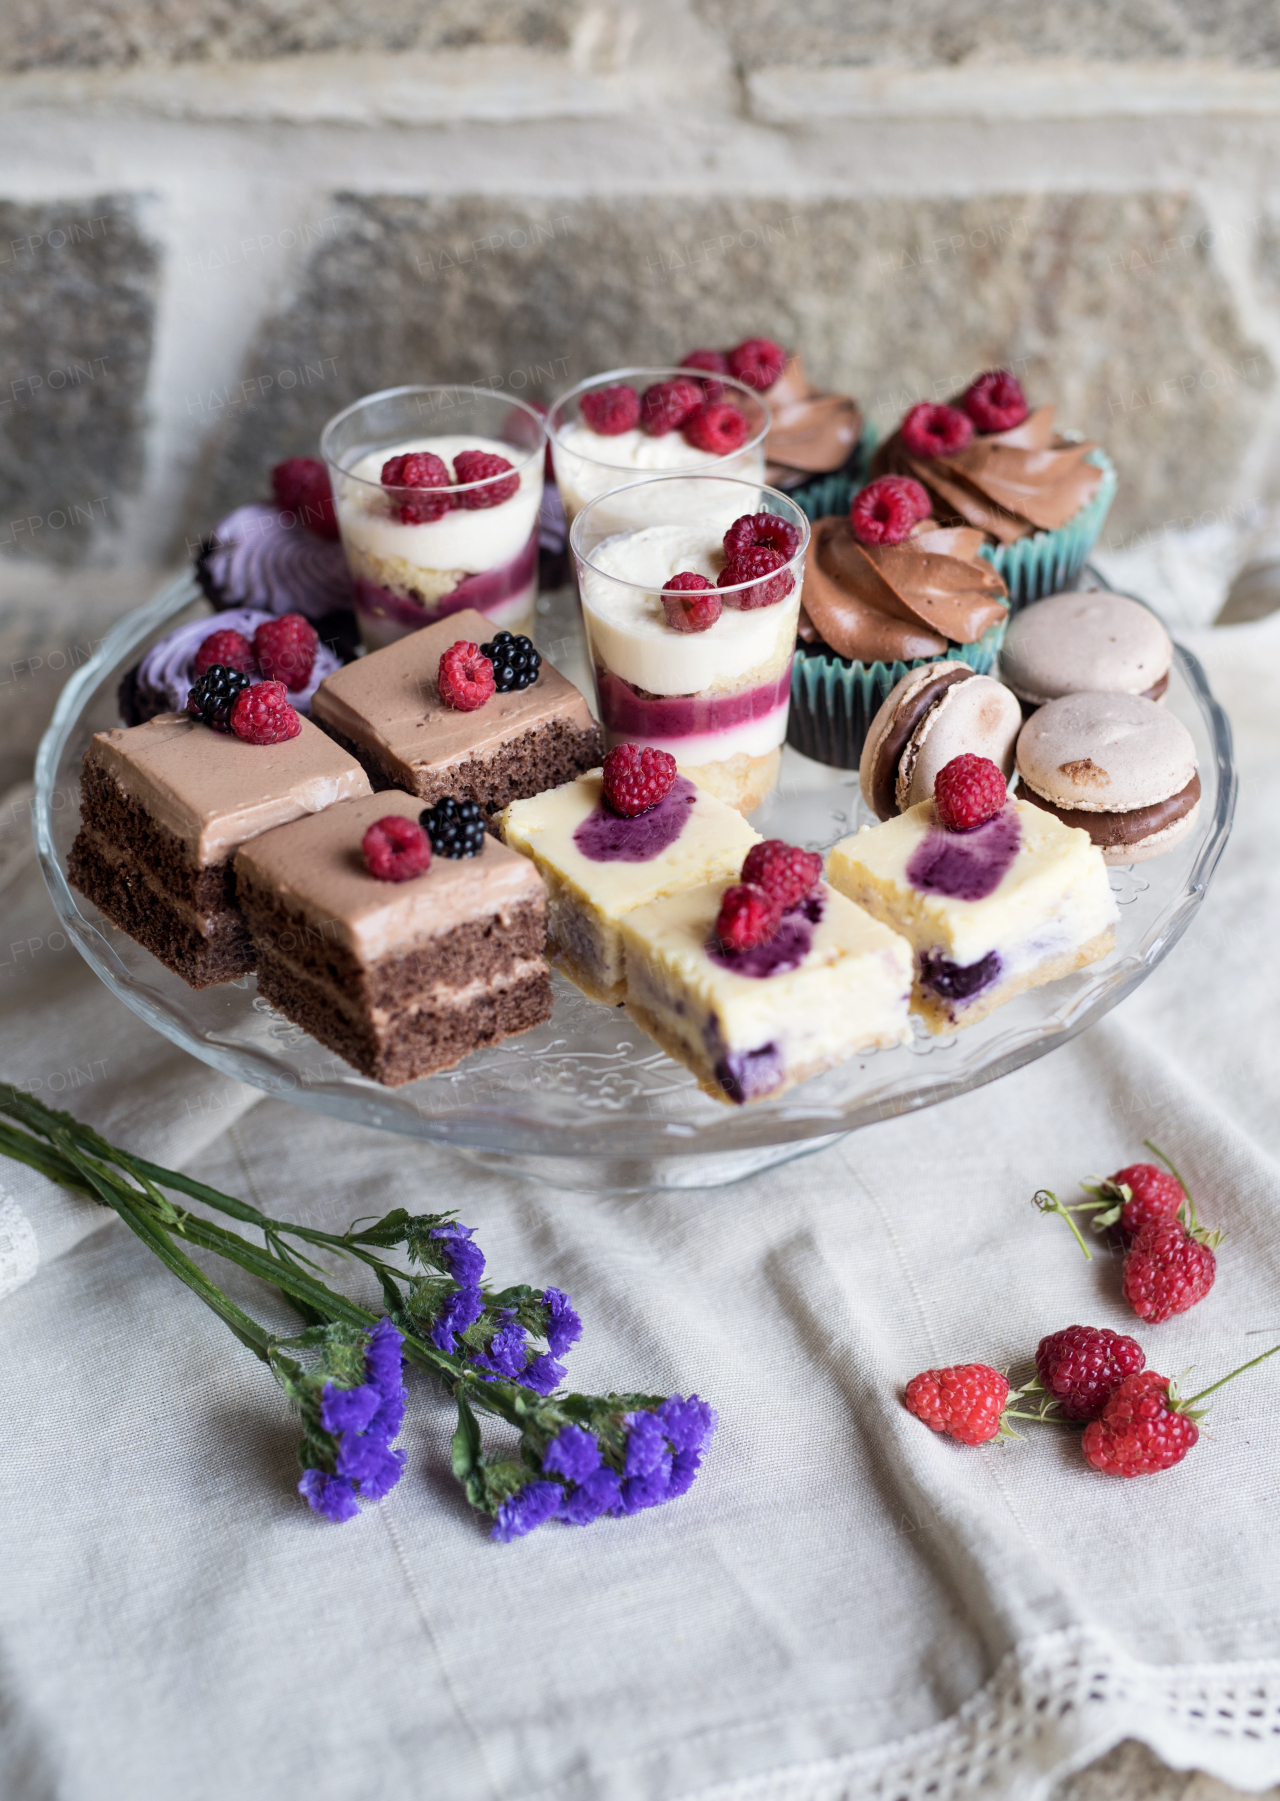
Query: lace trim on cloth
(1053,1706)
(19,1252)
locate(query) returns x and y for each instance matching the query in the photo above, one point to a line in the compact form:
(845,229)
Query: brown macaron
(939,711)
(1086,643)
(1118,765)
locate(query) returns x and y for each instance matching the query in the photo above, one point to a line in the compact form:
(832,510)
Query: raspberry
(885,511)
(286,650)
(515,662)
(232,649)
(455,828)
(262,715)
(213,696)
(758,362)
(716,427)
(420,470)
(751,566)
(995,402)
(667,404)
(301,485)
(1082,1366)
(935,431)
(1152,1195)
(967,792)
(690,603)
(748,916)
(715,362)
(1167,1270)
(481,466)
(396,849)
(782,870)
(1141,1430)
(964,1401)
(765,529)
(611,411)
(465,678)
(637,777)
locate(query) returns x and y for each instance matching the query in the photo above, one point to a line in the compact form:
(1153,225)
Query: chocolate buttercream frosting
(813,431)
(1007,484)
(897,602)
(1109,829)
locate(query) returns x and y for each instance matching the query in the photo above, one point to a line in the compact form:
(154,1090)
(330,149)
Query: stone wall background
(221,222)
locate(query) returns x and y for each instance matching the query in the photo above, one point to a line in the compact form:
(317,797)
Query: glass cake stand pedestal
(588,1101)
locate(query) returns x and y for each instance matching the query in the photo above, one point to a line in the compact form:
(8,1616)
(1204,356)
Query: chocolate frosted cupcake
(886,589)
(814,449)
(989,461)
(284,557)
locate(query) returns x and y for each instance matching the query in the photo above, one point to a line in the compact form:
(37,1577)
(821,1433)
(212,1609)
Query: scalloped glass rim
(589,1090)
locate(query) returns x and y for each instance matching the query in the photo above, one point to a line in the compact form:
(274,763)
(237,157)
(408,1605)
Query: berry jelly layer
(696,728)
(504,595)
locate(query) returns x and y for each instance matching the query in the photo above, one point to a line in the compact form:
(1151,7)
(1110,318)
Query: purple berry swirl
(162,680)
(261,557)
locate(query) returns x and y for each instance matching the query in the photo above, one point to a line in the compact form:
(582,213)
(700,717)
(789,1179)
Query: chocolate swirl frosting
(812,431)
(897,602)
(260,557)
(1007,484)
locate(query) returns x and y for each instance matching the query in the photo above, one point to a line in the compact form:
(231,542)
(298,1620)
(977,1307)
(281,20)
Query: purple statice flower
(530,1506)
(543,1375)
(333,1496)
(564,1328)
(508,1350)
(573,1453)
(689,1425)
(371,1462)
(599,1493)
(646,1466)
(462,1309)
(348,1409)
(464,1260)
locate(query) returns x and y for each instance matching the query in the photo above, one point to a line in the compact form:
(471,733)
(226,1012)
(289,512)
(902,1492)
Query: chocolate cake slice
(164,808)
(387,711)
(400,978)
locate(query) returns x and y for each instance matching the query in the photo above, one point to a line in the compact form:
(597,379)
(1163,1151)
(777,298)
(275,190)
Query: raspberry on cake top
(995,896)
(600,864)
(400,959)
(388,708)
(762,984)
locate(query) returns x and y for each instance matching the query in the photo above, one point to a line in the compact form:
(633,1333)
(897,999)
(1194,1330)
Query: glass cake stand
(588,1101)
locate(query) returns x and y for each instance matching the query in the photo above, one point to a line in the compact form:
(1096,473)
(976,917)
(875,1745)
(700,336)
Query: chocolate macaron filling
(1109,829)
(889,751)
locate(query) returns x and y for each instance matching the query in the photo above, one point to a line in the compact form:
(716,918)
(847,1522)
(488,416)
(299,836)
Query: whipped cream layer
(262,557)
(627,626)
(1051,894)
(588,464)
(752,1031)
(164,674)
(462,542)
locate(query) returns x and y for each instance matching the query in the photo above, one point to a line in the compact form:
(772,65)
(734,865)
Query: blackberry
(515,662)
(213,696)
(455,827)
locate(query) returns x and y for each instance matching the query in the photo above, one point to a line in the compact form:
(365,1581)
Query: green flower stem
(1231,1374)
(1048,1202)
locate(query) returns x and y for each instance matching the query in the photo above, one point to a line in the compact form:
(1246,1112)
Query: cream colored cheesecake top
(1054,868)
(710,846)
(316,870)
(212,790)
(389,704)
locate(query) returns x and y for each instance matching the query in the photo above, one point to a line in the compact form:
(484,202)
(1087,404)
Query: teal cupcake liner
(827,494)
(833,701)
(1051,562)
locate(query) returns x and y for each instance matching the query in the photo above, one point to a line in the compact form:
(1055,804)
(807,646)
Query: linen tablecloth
(844,1605)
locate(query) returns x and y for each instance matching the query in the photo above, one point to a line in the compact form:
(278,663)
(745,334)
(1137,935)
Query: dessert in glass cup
(437,491)
(628,424)
(690,613)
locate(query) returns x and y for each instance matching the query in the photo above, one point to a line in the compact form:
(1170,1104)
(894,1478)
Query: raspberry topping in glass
(751,566)
(667,404)
(995,402)
(715,362)
(611,411)
(717,427)
(690,602)
(421,471)
(765,529)
(886,510)
(935,431)
(480,466)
